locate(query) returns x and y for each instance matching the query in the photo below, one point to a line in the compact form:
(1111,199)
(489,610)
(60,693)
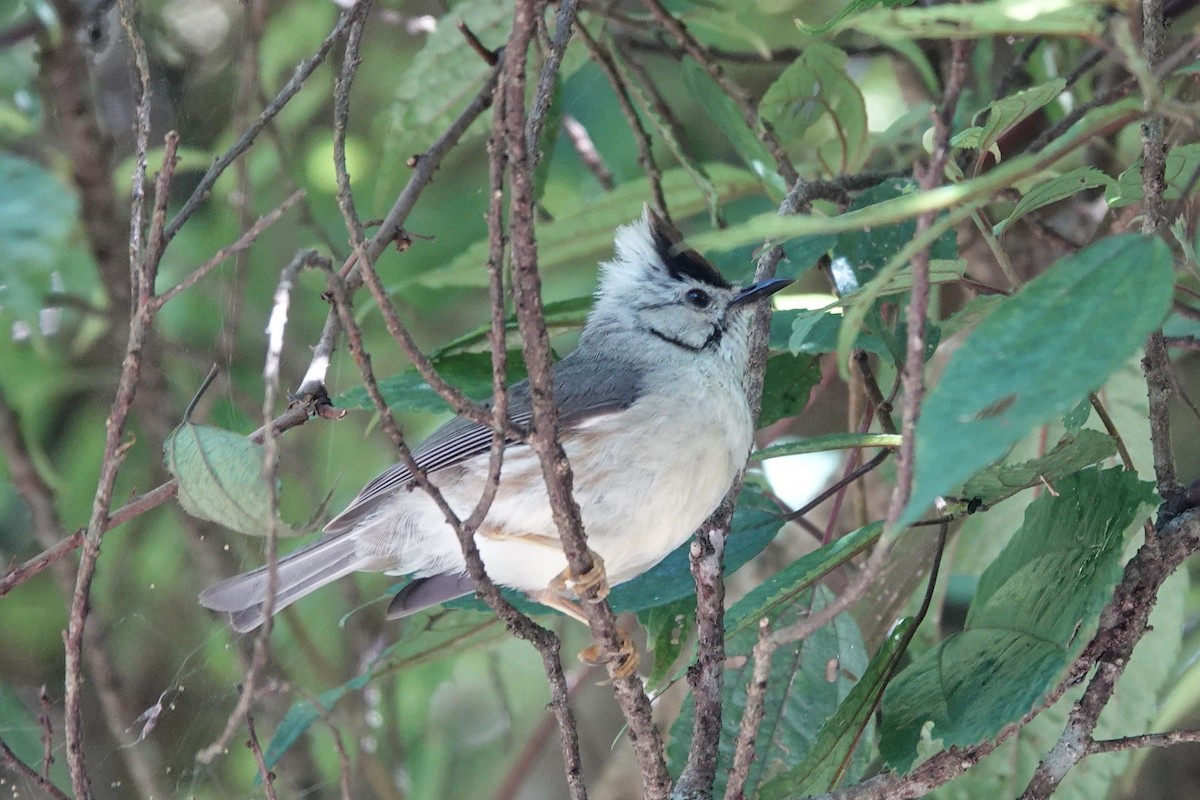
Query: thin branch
(303,71)
(641,137)
(1126,743)
(564,24)
(761,128)
(268,777)
(628,690)
(18,767)
(243,243)
(752,713)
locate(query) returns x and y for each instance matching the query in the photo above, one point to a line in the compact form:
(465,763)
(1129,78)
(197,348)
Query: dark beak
(757,291)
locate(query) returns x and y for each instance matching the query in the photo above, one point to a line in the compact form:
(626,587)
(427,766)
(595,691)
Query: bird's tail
(297,574)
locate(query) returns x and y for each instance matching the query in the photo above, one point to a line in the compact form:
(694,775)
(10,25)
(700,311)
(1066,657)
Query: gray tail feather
(297,574)
(425,592)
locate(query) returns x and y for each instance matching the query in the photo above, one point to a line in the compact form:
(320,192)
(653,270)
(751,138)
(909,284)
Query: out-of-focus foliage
(1042,293)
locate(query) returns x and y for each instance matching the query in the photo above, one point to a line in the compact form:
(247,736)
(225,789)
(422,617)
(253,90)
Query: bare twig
(303,71)
(564,24)
(585,148)
(1126,743)
(752,713)
(243,243)
(641,137)
(18,767)
(268,777)
(762,129)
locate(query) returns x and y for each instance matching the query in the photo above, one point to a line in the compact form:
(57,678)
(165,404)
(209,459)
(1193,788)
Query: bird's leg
(565,582)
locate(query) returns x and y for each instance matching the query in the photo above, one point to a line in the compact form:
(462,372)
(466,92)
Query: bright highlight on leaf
(1096,307)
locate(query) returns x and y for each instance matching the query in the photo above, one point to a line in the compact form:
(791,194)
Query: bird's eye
(698,298)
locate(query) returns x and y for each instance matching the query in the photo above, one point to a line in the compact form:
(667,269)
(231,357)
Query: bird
(654,421)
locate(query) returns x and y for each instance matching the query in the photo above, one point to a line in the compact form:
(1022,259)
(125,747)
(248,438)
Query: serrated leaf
(37,214)
(1027,622)
(220,475)
(1053,190)
(1131,711)
(442,78)
(470,373)
(1071,454)
(853,7)
(1182,164)
(1005,379)
(813,86)
(799,692)
(586,235)
(827,762)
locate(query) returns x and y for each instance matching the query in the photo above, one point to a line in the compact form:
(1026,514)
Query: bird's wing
(582,393)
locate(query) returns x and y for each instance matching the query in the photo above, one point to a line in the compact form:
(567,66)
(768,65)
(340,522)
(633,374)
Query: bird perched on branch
(653,419)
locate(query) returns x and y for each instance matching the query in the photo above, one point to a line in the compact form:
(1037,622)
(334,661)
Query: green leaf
(442,78)
(667,629)
(833,441)
(570,313)
(1182,164)
(853,7)
(1132,710)
(1094,307)
(471,373)
(813,86)
(827,762)
(957,199)
(586,236)
(800,694)
(1006,112)
(1028,620)
(220,475)
(997,18)
(781,590)
(786,387)
(722,112)
(1053,190)
(1071,454)
(37,215)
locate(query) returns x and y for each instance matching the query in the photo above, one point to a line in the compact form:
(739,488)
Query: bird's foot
(621,664)
(579,585)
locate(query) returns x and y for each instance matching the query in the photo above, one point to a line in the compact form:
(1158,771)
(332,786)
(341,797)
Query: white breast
(645,478)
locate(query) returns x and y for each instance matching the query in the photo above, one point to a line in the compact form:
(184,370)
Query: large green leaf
(816,86)
(1131,711)
(1071,454)
(586,235)
(1036,356)
(1179,172)
(800,692)
(786,386)
(442,78)
(1029,618)
(996,18)
(220,475)
(830,757)
(1006,112)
